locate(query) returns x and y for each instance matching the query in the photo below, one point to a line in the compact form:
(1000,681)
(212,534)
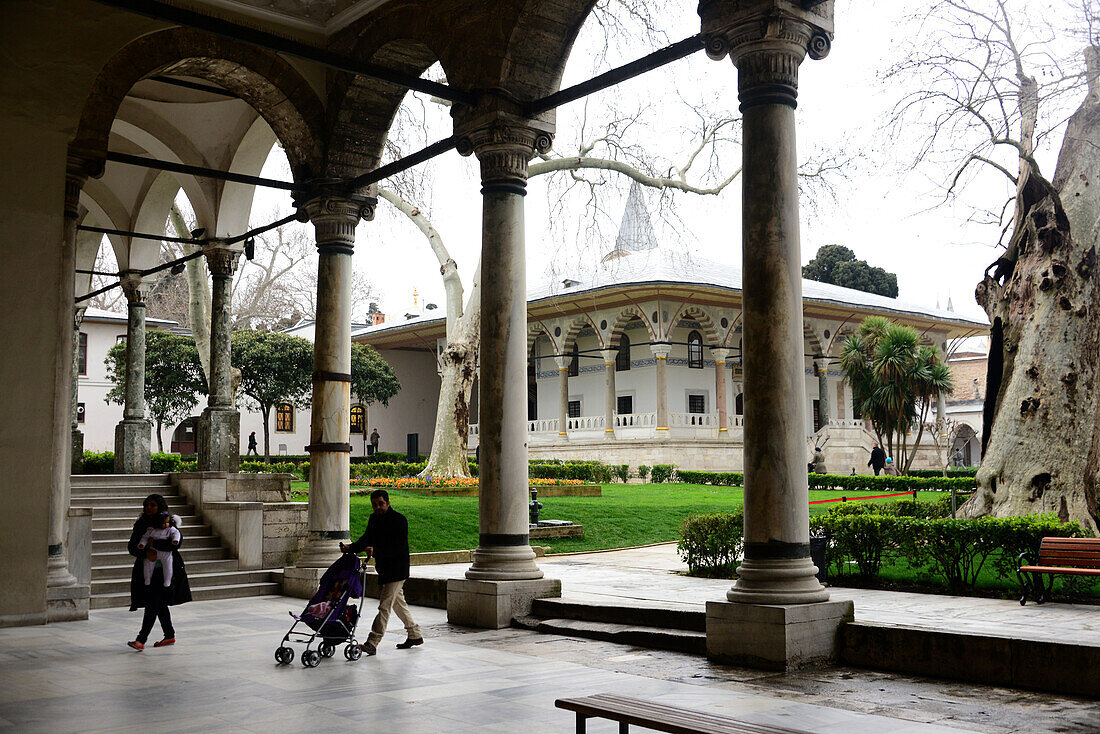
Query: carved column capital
(222,259)
(609,356)
(134,287)
(562,363)
(503,141)
(335,218)
(79,166)
(767,40)
(78,315)
(660,351)
(720,354)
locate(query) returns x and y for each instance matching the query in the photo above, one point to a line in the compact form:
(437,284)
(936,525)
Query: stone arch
(534,331)
(812,339)
(707,325)
(261,78)
(625,316)
(579,324)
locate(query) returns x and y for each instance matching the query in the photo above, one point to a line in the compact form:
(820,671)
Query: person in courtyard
(164,530)
(252,445)
(878,459)
(375,437)
(157,596)
(890,469)
(387,539)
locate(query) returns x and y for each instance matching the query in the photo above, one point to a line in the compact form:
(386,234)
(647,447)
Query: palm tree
(894,382)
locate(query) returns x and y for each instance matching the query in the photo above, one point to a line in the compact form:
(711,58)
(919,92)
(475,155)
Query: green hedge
(836,481)
(711,543)
(951,472)
(103,462)
(717,478)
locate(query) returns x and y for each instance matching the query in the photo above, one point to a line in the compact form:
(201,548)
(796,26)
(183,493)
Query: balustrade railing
(635,420)
(692,420)
(543,425)
(585,423)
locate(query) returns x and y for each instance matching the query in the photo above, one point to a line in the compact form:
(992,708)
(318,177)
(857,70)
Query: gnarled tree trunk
(1042,449)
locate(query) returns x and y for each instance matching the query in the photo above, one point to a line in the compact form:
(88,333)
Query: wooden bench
(1073,556)
(659,717)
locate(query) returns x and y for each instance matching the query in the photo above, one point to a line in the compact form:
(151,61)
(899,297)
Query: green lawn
(626,515)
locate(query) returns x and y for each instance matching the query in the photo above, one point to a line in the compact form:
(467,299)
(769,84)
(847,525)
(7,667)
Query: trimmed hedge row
(905,483)
(103,462)
(952,471)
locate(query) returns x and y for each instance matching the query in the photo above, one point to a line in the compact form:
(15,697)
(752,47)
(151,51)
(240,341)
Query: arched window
(575,362)
(622,359)
(284,418)
(358,418)
(695,350)
(739,404)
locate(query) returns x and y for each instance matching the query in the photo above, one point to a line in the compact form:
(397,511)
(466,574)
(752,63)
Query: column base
(781,637)
(504,563)
(321,552)
(219,440)
(77,444)
(493,604)
(300,582)
(132,446)
(777,581)
(67,603)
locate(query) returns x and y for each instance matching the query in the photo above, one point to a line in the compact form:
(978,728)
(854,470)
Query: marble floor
(222,676)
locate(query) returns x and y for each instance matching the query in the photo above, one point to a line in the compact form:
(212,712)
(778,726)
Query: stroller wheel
(284,655)
(311,658)
(328,649)
(353,651)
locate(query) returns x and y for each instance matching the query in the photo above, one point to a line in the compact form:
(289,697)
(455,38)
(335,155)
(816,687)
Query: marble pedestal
(218,444)
(132,438)
(780,637)
(301,582)
(67,603)
(493,604)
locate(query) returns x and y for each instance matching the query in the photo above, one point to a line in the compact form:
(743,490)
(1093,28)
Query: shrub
(621,472)
(161,463)
(905,483)
(586,471)
(951,472)
(717,478)
(643,472)
(711,543)
(662,473)
(865,539)
(99,462)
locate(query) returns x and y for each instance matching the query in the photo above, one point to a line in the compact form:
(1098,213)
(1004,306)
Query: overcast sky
(884,212)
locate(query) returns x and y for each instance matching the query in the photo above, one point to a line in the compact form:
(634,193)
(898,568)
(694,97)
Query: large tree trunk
(1042,451)
(198,290)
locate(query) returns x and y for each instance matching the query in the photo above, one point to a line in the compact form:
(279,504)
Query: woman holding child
(159,579)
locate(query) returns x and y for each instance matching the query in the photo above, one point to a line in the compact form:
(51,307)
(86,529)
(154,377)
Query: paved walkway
(221,676)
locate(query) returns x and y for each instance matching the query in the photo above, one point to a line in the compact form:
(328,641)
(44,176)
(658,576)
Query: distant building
(965,404)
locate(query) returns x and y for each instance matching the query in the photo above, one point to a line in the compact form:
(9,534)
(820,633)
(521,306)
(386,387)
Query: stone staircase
(116,502)
(654,627)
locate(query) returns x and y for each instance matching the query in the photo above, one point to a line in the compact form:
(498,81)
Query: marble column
(720,399)
(76,436)
(219,429)
(610,405)
(334,220)
(660,353)
(821,368)
(941,410)
(65,599)
(563,396)
(133,433)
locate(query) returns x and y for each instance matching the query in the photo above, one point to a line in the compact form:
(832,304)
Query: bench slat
(662,717)
(1061,569)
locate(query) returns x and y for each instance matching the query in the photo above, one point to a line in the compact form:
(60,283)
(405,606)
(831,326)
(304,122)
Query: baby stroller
(329,615)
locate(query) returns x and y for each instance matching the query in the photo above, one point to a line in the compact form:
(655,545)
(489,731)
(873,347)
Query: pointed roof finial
(635,230)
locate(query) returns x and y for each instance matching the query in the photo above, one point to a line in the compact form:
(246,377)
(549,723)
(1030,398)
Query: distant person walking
(890,470)
(387,539)
(252,445)
(375,437)
(878,459)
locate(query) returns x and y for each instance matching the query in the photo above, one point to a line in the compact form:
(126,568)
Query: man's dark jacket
(388,534)
(878,458)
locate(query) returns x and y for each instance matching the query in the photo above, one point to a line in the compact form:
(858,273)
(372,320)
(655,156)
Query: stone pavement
(221,676)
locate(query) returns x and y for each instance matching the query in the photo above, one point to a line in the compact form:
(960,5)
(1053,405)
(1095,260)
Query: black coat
(388,535)
(878,458)
(180,590)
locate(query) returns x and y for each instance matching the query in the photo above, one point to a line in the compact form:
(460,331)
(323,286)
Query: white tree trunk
(198,288)
(1042,451)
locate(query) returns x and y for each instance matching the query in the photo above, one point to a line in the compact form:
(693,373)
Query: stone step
(196,580)
(118,558)
(634,614)
(118,523)
(120,480)
(133,508)
(188,530)
(125,569)
(117,546)
(233,591)
(656,638)
(137,491)
(121,514)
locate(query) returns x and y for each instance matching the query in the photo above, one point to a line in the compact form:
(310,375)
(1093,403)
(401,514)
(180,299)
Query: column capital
(767,40)
(78,314)
(720,354)
(562,362)
(133,286)
(222,259)
(335,219)
(660,351)
(821,366)
(609,356)
(503,141)
(79,166)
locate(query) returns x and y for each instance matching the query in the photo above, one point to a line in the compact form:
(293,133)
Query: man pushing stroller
(387,539)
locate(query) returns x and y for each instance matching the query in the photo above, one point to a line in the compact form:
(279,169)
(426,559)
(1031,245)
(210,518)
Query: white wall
(101,417)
